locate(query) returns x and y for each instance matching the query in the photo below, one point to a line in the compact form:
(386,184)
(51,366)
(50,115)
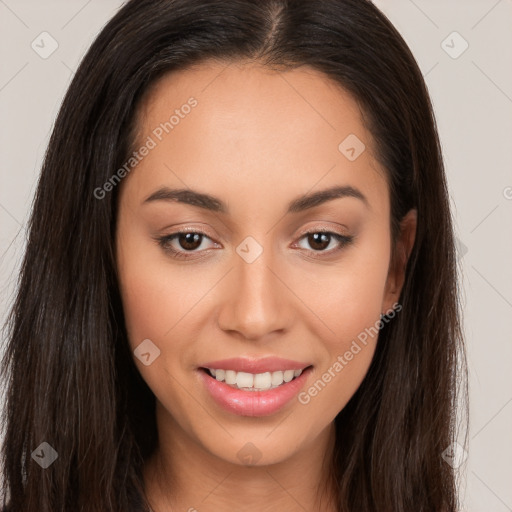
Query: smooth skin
(256,140)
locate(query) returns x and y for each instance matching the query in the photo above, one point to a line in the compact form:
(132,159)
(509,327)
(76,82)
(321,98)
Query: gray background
(472,96)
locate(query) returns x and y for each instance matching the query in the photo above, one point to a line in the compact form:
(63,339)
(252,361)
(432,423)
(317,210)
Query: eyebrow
(208,202)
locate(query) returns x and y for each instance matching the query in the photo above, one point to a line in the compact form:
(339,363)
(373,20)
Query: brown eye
(319,241)
(189,241)
(184,244)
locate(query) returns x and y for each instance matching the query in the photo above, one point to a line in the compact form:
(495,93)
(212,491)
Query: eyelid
(323,229)
(192,229)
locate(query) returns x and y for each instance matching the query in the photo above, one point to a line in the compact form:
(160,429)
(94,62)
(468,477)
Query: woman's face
(252,284)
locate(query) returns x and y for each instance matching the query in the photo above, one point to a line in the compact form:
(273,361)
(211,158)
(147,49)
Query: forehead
(238,98)
(252,126)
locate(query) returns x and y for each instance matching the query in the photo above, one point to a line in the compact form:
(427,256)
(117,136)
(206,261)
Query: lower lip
(253,403)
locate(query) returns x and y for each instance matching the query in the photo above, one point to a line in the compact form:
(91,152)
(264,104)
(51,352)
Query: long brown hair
(70,377)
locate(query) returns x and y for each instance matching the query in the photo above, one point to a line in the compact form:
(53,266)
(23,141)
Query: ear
(403,249)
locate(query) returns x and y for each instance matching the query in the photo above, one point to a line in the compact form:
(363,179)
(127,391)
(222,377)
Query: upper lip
(266,364)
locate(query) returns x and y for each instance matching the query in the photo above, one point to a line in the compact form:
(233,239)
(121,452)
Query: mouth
(245,393)
(253,381)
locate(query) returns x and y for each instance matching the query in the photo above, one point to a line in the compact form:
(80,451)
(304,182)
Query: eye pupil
(190,239)
(322,239)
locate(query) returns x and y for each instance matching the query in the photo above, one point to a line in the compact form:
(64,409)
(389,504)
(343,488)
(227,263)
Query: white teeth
(244,380)
(254,382)
(288,375)
(263,380)
(277,378)
(230,377)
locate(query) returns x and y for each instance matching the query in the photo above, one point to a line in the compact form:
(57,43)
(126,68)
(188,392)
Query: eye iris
(319,238)
(187,239)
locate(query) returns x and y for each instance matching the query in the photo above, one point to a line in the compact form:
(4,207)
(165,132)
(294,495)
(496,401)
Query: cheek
(348,352)
(334,384)
(148,309)
(154,294)
(152,308)
(346,296)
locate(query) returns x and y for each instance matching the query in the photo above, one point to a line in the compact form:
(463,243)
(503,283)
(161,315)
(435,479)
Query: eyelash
(163,242)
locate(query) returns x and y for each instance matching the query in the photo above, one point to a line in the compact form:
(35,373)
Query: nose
(256,303)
